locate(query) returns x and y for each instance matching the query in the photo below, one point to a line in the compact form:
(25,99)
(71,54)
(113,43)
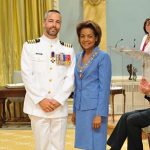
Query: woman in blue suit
(92,89)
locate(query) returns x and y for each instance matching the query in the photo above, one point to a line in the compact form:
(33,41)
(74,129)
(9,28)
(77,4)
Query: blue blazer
(93,89)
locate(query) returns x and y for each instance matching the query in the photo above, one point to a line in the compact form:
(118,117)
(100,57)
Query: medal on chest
(52,57)
(61,58)
(80,74)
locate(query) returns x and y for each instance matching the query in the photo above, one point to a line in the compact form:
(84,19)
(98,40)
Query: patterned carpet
(23,140)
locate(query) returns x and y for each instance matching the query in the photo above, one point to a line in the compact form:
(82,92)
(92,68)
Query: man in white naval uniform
(47,66)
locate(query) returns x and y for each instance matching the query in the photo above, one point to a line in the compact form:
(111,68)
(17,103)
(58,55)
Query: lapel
(95,53)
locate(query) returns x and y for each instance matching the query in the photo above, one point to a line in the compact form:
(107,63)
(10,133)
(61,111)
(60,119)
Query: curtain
(96,13)
(20,20)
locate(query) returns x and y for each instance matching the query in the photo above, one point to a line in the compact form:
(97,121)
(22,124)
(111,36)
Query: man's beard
(52,32)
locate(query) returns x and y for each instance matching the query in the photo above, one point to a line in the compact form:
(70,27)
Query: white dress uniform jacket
(44,78)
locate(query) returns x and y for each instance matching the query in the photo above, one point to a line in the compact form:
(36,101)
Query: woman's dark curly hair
(93,26)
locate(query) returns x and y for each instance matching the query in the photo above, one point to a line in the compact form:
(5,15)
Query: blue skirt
(85,136)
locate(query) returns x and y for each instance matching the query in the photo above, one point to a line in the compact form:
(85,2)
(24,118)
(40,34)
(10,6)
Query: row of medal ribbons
(61,59)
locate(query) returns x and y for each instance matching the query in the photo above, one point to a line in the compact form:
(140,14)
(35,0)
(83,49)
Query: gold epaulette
(33,41)
(66,44)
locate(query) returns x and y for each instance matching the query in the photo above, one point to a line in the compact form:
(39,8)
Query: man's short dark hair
(51,10)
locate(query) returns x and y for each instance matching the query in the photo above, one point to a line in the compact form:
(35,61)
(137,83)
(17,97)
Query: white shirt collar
(50,41)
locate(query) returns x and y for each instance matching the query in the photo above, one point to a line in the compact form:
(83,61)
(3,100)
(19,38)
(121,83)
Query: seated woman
(130,125)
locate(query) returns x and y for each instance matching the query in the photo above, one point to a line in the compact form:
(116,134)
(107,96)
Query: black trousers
(129,126)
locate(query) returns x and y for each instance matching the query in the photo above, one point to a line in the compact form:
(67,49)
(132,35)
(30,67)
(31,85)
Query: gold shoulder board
(66,44)
(33,41)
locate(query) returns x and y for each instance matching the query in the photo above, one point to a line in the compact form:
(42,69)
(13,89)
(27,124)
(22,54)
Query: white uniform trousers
(49,133)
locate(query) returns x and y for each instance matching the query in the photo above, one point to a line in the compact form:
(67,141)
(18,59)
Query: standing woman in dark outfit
(92,89)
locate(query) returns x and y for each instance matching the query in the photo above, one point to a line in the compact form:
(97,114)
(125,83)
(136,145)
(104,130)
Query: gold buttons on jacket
(49,92)
(50,80)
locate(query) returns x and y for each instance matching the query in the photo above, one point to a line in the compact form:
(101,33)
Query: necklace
(83,66)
